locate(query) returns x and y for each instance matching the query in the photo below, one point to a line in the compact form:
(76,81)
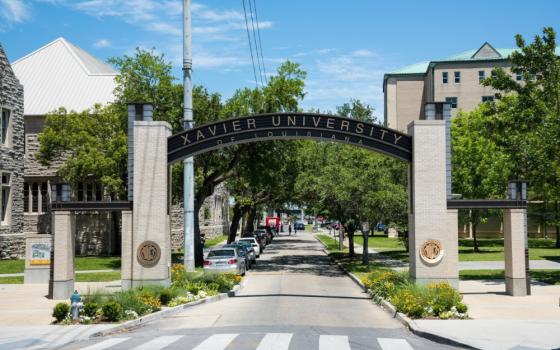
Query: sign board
(40,254)
(320,218)
(148,253)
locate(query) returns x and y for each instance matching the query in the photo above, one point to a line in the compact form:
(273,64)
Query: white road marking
(393,344)
(106,344)
(216,342)
(333,342)
(275,341)
(159,342)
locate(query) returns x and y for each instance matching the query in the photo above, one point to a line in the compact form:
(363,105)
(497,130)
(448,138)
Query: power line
(250,45)
(255,41)
(260,42)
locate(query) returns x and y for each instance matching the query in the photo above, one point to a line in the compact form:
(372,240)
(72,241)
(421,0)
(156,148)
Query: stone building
(213,217)
(11,161)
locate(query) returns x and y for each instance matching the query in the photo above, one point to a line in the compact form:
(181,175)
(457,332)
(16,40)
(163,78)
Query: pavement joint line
(167,312)
(386,306)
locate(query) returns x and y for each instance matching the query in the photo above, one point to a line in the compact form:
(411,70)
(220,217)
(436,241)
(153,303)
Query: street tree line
(517,136)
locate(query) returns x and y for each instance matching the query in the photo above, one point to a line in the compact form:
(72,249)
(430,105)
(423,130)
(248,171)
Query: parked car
(254,243)
(299,225)
(266,234)
(247,250)
(225,260)
(261,239)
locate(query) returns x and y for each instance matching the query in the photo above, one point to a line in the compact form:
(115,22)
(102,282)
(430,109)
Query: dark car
(299,225)
(243,251)
(266,234)
(271,231)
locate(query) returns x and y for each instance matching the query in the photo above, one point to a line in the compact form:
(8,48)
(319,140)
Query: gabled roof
(61,74)
(484,53)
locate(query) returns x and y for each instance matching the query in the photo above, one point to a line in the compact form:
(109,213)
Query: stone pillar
(63,227)
(151,239)
(126,249)
(514,251)
(392,233)
(433,229)
(37,258)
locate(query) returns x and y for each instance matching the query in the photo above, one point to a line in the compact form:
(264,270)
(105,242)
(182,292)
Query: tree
(527,124)
(480,168)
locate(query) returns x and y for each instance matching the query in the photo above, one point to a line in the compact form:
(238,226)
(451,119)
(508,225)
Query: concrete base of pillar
(63,289)
(453,282)
(37,275)
(516,287)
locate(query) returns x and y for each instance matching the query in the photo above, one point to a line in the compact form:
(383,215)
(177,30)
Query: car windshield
(221,253)
(251,241)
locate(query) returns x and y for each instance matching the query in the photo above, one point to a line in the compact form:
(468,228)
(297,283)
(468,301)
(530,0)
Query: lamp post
(188,123)
(517,190)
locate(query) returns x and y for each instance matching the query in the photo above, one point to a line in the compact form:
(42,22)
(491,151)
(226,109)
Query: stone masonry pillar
(514,251)
(151,238)
(433,230)
(63,227)
(126,249)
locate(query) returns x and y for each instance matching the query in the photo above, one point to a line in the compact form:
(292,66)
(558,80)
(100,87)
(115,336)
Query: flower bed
(435,300)
(127,305)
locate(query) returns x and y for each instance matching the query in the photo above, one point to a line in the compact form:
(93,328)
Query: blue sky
(345,46)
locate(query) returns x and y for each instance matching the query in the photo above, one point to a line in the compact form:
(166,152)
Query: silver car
(225,260)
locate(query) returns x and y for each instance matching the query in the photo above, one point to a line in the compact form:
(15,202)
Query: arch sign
(288,126)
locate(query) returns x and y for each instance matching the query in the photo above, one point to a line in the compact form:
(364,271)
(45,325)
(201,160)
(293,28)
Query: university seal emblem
(431,251)
(148,253)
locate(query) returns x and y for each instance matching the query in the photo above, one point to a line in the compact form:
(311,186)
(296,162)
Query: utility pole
(188,123)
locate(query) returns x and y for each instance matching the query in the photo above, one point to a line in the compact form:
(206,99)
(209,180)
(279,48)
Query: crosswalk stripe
(216,342)
(106,344)
(393,344)
(275,341)
(333,342)
(159,342)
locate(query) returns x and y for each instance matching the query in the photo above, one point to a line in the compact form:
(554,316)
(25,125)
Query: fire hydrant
(75,305)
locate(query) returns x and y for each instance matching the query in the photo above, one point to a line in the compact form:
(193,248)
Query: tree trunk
(250,226)
(237,213)
(557,223)
(476,250)
(351,252)
(365,253)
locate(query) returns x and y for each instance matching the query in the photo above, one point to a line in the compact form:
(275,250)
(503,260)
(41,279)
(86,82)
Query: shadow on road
(300,296)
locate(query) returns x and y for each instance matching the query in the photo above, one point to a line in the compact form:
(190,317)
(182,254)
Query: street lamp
(136,112)
(517,190)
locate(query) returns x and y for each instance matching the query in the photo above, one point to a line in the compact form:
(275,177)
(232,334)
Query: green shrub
(60,311)
(461,308)
(112,310)
(443,297)
(130,301)
(165,296)
(90,309)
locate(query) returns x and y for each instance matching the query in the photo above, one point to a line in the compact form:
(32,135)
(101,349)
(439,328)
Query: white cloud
(102,43)
(14,10)
(363,53)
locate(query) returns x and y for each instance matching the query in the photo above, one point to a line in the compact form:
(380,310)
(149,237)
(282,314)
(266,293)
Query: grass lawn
(83,263)
(546,276)
(80,277)
(390,247)
(215,241)
(354,264)
(493,250)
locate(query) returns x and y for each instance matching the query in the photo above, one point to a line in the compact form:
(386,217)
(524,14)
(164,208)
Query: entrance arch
(289,126)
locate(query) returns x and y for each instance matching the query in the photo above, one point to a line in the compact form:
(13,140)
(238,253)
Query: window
(444,77)
(493,73)
(35,198)
(481,76)
(25,197)
(5,205)
(452,100)
(6,135)
(80,192)
(44,197)
(487,99)
(518,76)
(89,192)
(457,77)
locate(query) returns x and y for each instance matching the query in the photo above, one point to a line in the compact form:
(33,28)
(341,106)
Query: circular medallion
(431,251)
(148,253)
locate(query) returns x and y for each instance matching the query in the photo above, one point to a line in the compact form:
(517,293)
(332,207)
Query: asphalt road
(295,299)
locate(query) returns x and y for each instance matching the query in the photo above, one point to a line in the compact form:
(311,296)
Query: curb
(392,311)
(172,310)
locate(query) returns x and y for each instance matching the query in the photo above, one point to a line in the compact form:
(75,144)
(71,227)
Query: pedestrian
(289,229)
(295,229)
